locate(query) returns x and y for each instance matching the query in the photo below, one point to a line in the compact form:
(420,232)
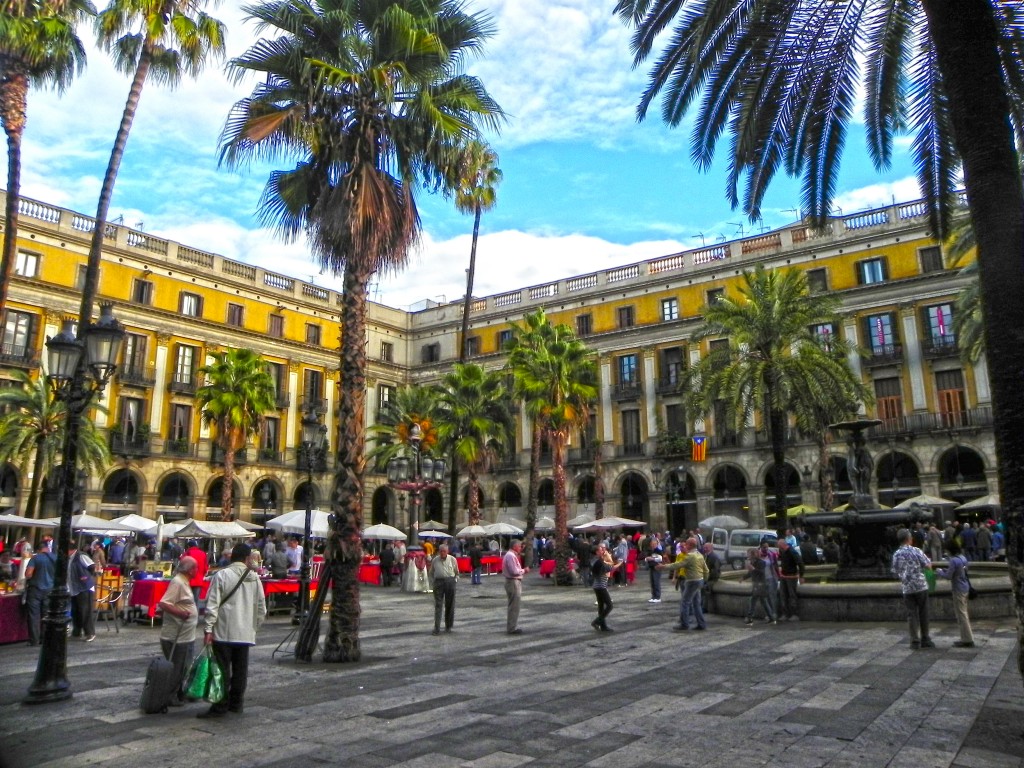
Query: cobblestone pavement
(796,695)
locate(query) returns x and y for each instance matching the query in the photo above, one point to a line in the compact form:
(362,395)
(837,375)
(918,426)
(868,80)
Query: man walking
(714,563)
(39,583)
(655,556)
(908,565)
(82,588)
(513,571)
(445,572)
(387,564)
(695,570)
(235,609)
(791,572)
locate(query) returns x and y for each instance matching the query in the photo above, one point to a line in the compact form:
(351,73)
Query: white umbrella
(208,529)
(434,535)
(544,524)
(28,522)
(925,500)
(249,526)
(611,522)
(84,522)
(722,521)
(985,502)
(133,522)
(384,532)
(502,529)
(432,525)
(472,530)
(581,519)
(295,521)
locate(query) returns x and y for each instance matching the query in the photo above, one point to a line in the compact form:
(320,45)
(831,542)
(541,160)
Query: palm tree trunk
(531,494)
(453,494)
(777,424)
(474,498)
(345,550)
(966,42)
(92,268)
(598,485)
(563,575)
(467,304)
(37,478)
(13,98)
(227,485)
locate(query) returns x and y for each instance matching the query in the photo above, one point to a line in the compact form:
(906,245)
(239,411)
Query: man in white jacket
(235,609)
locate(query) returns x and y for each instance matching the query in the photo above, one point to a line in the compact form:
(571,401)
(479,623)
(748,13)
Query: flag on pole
(699,450)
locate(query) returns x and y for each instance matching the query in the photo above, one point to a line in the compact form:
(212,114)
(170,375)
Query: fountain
(868,532)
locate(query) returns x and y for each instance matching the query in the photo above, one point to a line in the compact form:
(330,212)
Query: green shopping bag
(215,692)
(929,576)
(198,679)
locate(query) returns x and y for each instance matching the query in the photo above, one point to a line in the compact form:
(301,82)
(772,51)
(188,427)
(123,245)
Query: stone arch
(681,500)
(546,493)
(586,490)
(213,496)
(729,491)
(479,495)
(175,495)
(961,471)
(266,500)
(381,504)
(634,495)
(124,487)
(299,495)
(9,483)
(793,493)
(842,488)
(510,495)
(898,477)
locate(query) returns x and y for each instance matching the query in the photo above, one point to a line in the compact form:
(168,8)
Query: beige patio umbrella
(925,500)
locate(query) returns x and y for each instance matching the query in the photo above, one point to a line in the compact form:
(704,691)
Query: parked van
(732,545)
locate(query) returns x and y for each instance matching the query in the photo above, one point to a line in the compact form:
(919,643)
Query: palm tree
(776,362)
(476,423)
(238,391)
(782,77)
(157,40)
(370,97)
(968,321)
(39,47)
(33,429)
(557,378)
(415,405)
(476,182)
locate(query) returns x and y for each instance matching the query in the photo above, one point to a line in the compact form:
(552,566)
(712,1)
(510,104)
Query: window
(387,352)
(312,385)
(277,373)
(939,325)
(504,337)
(270,436)
(669,309)
(472,346)
(672,366)
(181,422)
(825,333)
(889,401)
(719,350)
(131,410)
(26,264)
(931,259)
(80,276)
(275,326)
(142,292)
(628,369)
(631,440)
(715,295)
(134,353)
(431,353)
(951,398)
(385,395)
(625,316)
(817,280)
(19,333)
(313,334)
(872,271)
(584,325)
(190,304)
(880,334)
(675,419)
(235,314)
(184,364)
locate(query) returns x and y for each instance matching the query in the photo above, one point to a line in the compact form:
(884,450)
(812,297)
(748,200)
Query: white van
(732,545)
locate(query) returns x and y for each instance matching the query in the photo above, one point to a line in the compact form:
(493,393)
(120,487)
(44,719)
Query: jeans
(690,604)
(655,584)
(788,597)
(35,604)
(604,606)
(476,574)
(917,615)
(234,660)
(759,596)
(83,620)
(444,597)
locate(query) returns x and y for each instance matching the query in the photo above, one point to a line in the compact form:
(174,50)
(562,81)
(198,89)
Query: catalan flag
(699,450)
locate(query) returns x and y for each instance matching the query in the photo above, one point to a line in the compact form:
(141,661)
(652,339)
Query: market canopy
(924,500)
(503,529)
(84,522)
(432,525)
(134,522)
(295,522)
(611,522)
(28,522)
(207,529)
(985,502)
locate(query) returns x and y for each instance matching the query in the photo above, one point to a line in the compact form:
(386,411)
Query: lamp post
(421,474)
(79,369)
(314,444)
(268,503)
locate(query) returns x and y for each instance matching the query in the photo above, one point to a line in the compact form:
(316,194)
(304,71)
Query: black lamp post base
(55,690)
(51,682)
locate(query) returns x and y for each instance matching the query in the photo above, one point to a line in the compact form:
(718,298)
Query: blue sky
(586,187)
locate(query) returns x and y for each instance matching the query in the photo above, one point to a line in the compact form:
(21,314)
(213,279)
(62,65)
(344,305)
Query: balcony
(885,355)
(790,437)
(940,346)
(630,450)
(270,456)
(217,455)
(582,455)
(18,356)
(318,404)
(137,376)
(283,400)
(508,462)
(183,383)
(122,445)
(627,391)
(923,423)
(320,465)
(728,439)
(182,448)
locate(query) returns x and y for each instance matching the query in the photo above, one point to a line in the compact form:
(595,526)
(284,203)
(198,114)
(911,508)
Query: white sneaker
(654,600)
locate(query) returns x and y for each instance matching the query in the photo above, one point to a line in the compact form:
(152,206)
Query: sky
(586,187)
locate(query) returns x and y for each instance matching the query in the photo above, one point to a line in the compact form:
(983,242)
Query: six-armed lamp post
(79,368)
(415,476)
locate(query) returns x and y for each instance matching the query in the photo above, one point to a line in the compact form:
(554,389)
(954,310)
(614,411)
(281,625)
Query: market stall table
(488,563)
(547,567)
(13,625)
(147,594)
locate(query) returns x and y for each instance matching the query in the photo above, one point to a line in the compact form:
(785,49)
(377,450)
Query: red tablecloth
(13,626)
(547,567)
(489,564)
(147,594)
(369,573)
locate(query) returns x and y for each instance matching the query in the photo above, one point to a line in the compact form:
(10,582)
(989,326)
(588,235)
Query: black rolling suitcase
(159,687)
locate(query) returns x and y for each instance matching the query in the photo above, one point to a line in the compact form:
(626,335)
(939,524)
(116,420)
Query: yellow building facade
(179,304)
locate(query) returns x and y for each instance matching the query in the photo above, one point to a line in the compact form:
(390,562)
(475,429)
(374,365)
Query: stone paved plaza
(560,695)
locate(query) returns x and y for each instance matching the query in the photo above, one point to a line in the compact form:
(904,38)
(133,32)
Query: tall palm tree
(158,40)
(238,391)
(33,429)
(38,47)
(476,423)
(782,78)
(558,379)
(775,358)
(371,99)
(476,183)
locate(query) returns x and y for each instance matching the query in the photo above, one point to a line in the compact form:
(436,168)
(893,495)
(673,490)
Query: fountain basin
(875,600)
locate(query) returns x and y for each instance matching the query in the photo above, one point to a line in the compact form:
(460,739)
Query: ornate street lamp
(314,447)
(79,369)
(415,476)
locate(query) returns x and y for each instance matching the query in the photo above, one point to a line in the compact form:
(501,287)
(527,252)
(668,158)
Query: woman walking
(601,568)
(957,575)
